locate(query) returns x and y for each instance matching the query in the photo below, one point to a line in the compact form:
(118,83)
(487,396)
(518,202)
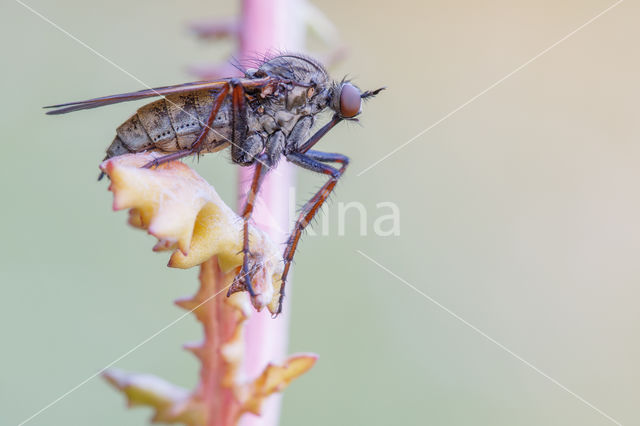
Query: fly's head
(346,99)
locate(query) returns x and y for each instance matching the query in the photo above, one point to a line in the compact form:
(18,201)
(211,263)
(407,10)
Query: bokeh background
(520,213)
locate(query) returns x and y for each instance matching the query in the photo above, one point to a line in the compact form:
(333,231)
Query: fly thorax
(254,123)
(296,98)
(319,102)
(268,123)
(299,134)
(286,120)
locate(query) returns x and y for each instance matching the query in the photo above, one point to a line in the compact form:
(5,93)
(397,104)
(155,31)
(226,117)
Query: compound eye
(350,100)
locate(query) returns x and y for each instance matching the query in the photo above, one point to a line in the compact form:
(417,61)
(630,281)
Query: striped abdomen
(173,124)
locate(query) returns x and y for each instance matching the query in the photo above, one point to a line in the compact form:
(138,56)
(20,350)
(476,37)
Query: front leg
(311,160)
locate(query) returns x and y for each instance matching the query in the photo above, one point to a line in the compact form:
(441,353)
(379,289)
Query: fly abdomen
(155,119)
(173,124)
(116,148)
(149,128)
(184,119)
(130,137)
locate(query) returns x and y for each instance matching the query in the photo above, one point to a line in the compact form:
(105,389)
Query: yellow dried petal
(276,378)
(171,403)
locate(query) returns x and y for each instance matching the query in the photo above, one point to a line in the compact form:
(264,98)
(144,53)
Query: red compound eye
(350,100)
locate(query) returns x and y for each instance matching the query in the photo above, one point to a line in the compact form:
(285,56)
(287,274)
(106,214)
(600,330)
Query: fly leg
(168,158)
(314,161)
(245,276)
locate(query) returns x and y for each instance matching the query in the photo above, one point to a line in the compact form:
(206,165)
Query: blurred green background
(520,213)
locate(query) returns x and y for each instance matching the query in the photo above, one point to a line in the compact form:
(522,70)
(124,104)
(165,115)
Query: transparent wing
(132,96)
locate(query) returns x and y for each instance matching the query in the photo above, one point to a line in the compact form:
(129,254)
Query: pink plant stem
(268,26)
